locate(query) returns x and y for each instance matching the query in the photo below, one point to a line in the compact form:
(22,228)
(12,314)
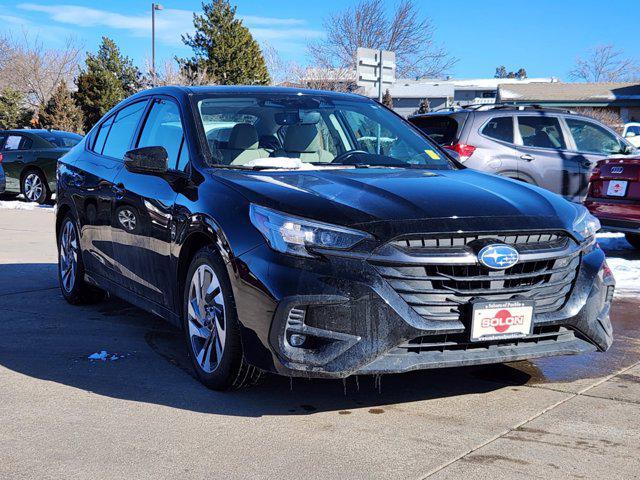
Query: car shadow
(43,337)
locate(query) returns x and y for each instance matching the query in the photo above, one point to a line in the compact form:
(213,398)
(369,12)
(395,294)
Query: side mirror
(629,134)
(147,160)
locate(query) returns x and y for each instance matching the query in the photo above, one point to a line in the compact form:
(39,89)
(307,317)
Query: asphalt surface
(143,415)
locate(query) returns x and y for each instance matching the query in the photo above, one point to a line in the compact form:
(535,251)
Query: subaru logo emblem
(498,256)
(617,169)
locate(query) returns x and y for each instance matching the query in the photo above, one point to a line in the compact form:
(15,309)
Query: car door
(544,155)
(15,154)
(590,143)
(93,188)
(142,224)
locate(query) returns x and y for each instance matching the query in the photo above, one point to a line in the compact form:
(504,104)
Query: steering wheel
(346,156)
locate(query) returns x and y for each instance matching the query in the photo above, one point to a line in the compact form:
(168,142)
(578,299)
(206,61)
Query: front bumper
(356,323)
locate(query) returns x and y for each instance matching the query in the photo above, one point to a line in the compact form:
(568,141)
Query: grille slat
(438,291)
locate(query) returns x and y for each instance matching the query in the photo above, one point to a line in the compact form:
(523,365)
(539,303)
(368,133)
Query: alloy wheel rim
(127,219)
(68,257)
(207,318)
(33,187)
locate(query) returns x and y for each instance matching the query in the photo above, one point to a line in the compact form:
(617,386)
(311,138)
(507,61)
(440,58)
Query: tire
(71,268)
(211,327)
(34,187)
(633,239)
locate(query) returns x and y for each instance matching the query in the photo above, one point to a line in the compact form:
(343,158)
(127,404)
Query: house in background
(612,103)
(407,94)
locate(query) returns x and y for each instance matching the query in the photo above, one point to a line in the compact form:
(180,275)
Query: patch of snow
(20,205)
(104,356)
(624,261)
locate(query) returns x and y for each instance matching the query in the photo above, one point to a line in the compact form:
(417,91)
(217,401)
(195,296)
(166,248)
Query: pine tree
(12,111)
(387,99)
(108,78)
(224,47)
(61,112)
(501,72)
(424,107)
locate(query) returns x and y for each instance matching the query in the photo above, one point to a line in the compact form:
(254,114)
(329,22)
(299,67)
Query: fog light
(296,340)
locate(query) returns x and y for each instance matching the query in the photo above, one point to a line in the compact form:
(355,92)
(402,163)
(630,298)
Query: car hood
(389,202)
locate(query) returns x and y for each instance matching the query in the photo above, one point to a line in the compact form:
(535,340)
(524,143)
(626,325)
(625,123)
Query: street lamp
(154,7)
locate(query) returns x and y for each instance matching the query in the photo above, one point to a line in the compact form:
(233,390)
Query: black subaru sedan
(318,234)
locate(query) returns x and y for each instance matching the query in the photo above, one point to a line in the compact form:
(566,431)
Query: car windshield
(308,131)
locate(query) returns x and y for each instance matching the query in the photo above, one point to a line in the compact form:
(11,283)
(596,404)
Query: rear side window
(633,128)
(121,132)
(63,141)
(441,129)
(98,145)
(163,128)
(592,138)
(499,128)
(541,132)
(17,142)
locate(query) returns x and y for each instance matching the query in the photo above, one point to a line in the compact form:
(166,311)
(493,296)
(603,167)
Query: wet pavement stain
(344,412)
(376,411)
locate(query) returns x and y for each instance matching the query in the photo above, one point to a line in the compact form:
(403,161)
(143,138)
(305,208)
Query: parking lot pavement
(139,413)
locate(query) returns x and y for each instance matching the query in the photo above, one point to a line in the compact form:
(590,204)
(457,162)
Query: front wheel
(211,326)
(34,187)
(633,239)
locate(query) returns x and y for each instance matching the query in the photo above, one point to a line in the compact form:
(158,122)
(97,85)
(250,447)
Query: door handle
(527,157)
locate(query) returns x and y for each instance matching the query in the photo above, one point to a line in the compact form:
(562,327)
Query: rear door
(545,156)
(144,210)
(590,143)
(15,154)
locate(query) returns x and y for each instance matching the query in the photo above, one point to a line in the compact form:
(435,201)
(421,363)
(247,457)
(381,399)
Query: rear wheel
(34,187)
(211,325)
(633,239)
(71,268)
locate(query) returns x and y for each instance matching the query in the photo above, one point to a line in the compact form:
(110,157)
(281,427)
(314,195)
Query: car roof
(39,131)
(246,89)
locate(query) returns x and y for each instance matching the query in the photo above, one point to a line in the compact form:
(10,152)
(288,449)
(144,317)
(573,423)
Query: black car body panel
(361,319)
(35,151)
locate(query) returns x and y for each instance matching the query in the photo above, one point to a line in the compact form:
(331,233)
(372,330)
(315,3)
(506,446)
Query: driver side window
(592,138)
(163,128)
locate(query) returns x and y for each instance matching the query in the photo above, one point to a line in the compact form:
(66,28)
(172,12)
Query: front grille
(442,291)
(524,242)
(460,342)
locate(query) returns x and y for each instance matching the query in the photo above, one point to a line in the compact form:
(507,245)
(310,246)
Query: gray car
(552,148)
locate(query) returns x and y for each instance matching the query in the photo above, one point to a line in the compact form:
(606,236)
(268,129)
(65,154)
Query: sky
(543,36)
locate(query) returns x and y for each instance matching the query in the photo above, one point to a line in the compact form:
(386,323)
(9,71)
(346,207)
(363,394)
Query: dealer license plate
(617,188)
(501,320)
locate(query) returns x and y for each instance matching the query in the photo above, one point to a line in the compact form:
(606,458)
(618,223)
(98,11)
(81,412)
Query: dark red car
(614,196)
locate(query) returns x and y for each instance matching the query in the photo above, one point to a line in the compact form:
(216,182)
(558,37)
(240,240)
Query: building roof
(557,92)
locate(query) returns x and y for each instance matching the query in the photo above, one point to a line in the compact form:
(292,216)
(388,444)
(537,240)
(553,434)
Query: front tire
(211,327)
(71,268)
(34,187)
(633,239)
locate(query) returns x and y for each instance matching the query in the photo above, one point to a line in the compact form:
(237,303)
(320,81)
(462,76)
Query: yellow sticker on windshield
(432,154)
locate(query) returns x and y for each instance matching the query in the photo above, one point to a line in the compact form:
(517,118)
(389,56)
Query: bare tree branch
(367,24)
(36,71)
(605,64)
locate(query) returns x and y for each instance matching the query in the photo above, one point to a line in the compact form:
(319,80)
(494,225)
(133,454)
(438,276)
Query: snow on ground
(22,205)
(104,356)
(624,262)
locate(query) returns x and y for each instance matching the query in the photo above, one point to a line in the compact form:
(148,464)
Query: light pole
(154,7)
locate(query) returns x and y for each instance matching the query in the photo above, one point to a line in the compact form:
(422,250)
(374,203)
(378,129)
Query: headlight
(289,234)
(585,225)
